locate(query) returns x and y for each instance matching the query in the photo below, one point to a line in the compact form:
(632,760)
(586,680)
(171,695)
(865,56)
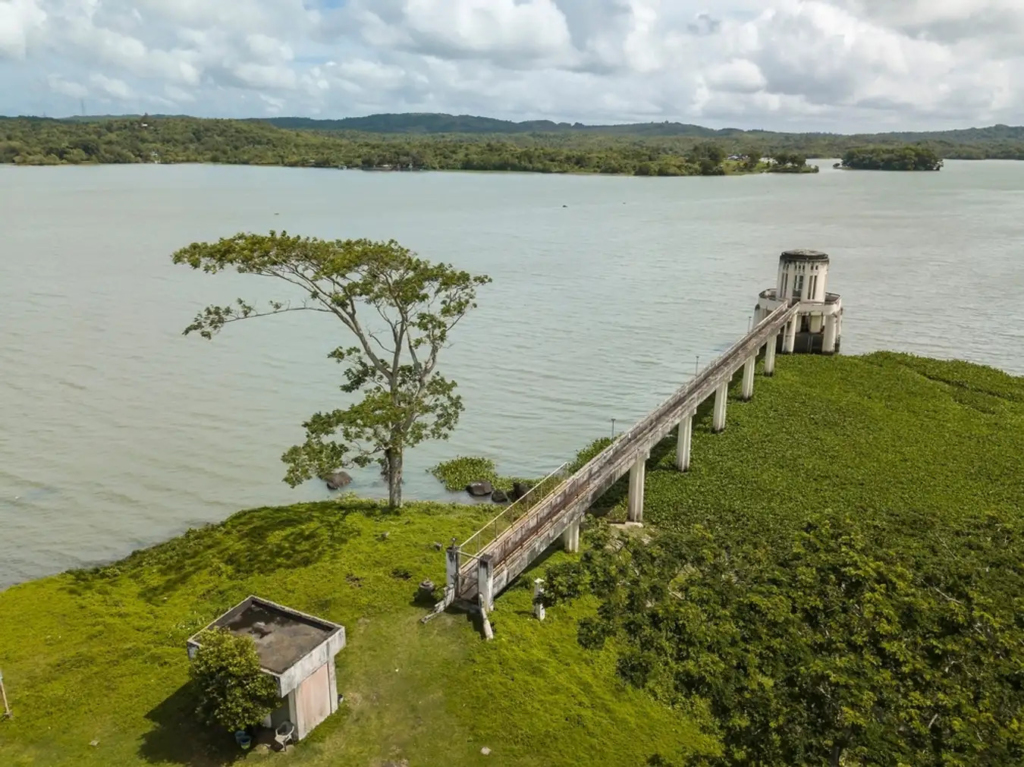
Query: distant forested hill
(995,142)
(447,142)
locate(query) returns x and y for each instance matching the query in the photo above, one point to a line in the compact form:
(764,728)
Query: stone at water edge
(337,480)
(499,496)
(480,489)
(519,489)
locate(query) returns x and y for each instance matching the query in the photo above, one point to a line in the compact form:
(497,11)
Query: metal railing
(504,535)
(473,546)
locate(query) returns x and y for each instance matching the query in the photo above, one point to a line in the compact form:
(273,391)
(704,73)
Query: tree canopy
(892,158)
(399,309)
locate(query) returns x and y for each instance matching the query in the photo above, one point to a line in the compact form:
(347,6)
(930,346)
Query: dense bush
(234,693)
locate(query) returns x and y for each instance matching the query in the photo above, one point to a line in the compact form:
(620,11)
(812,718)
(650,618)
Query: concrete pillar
(637,475)
(831,326)
(485,580)
(685,443)
(789,341)
(769,356)
(721,397)
(748,379)
(571,537)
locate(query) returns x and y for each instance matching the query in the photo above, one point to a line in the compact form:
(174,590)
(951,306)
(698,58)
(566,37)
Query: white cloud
(792,64)
(111,86)
(19,20)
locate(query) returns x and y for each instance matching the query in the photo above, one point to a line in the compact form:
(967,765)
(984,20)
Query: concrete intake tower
(818,327)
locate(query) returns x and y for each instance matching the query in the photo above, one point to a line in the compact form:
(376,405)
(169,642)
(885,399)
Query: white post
(789,343)
(748,379)
(721,396)
(538,592)
(829,346)
(485,580)
(685,443)
(769,355)
(637,475)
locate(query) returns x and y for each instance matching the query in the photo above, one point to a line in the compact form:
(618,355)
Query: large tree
(398,308)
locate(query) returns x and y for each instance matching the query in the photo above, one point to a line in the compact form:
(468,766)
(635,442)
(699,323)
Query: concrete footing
(748,379)
(685,443)
(571,537)
(721,399)
(769,356)
(485,581)
(789,339)
(831,326)
(637,476)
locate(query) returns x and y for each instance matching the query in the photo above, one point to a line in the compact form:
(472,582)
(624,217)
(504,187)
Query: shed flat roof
(282,636)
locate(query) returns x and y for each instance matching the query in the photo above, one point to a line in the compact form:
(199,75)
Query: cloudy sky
(839,65)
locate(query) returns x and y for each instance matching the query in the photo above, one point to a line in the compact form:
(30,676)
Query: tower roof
(801,254)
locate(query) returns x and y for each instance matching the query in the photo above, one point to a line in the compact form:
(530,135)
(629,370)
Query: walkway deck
(491,559)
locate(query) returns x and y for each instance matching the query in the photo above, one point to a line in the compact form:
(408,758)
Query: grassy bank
(100,655)
(918,446)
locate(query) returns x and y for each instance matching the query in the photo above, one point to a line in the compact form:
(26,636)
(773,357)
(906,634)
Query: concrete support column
(571,537)
(452,564)
(721,397)
(748,379)
(637,475)
(485,580)
(769,356)
(685,443)
(538,599)
(789,341)
(831,328)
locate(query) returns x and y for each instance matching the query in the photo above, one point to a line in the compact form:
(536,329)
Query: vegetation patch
(908,157)
(459,472)
(858,522)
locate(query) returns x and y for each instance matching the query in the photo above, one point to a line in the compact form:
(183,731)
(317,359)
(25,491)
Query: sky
(832,65)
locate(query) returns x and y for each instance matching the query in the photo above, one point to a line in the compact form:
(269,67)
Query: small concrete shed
(296,650)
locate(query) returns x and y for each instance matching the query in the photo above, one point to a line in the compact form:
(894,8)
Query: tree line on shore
(32,141)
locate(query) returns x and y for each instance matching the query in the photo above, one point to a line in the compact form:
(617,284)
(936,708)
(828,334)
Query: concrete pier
(637,477)
(721,401)
(485,581)
(831,325)
(685,442)
(571,537)
(748,379)
(769,356)
(789,340)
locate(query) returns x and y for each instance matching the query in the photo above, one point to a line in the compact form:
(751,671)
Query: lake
(117,432)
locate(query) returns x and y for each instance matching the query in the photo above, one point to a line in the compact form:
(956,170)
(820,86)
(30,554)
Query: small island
(908,157)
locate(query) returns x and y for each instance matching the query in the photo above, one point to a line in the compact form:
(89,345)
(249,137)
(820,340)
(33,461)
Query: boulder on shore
(499,496)
(519,489)
(480,489)
(337,480)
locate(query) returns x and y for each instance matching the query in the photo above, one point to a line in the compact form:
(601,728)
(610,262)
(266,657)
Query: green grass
(921,447)
(917,446)
(101,654)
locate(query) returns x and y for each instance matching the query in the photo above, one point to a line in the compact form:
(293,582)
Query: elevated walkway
(487,562)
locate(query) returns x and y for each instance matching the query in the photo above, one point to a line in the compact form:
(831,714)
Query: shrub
(233,690)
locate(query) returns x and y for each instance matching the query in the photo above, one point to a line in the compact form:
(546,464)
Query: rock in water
(479,489)
(337,480)
(499,496)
